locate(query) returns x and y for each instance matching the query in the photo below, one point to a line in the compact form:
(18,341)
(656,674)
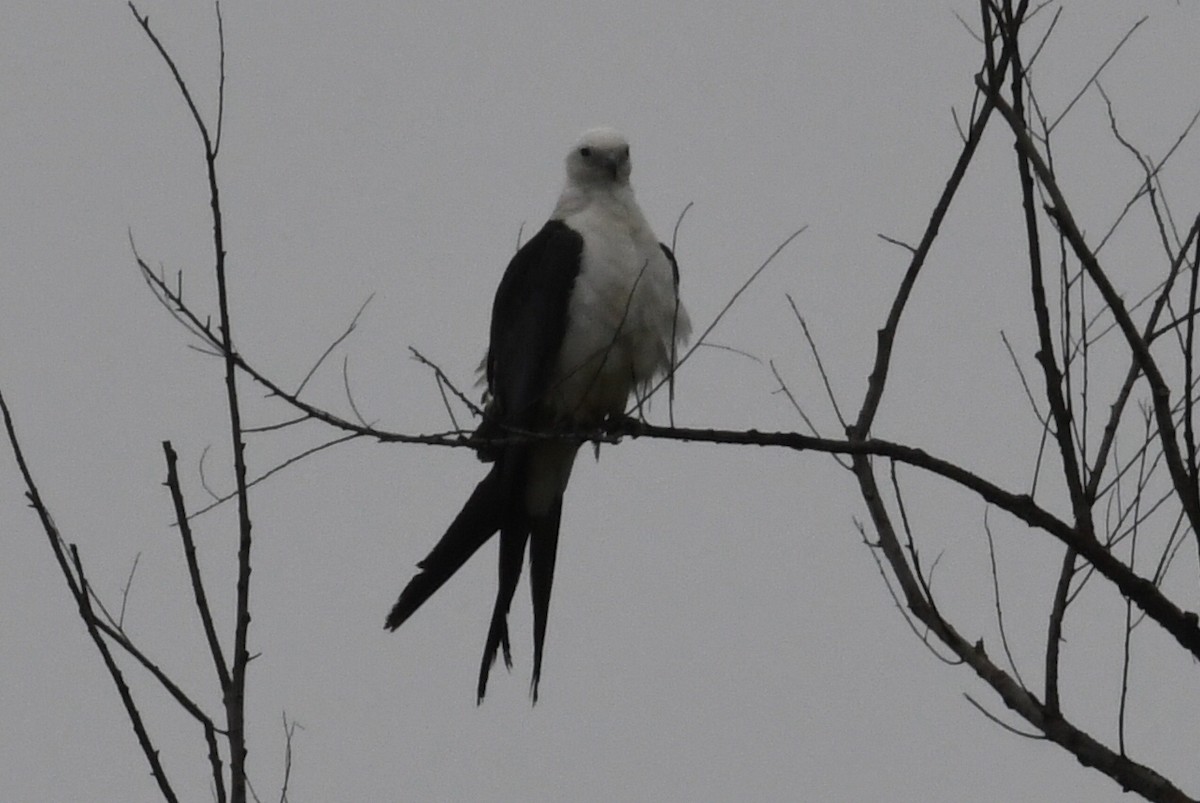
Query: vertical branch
(1059,406)
(862,468)
(1012,664)
(1058,611)
(235,699)
(1129,623)
(289,731)
(1189,435)
(214,761)
(234,696)
(1059,403)
(221,80)
(988,37)
(189,553)
(886,336)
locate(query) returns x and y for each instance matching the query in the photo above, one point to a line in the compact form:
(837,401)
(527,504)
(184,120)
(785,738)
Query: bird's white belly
(621,322)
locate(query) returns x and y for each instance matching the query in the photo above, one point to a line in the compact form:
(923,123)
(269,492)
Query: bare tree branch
(193,566)
(1185,485)
(234,697)
(72,572)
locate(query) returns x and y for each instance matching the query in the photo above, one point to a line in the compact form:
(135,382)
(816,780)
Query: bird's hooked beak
(616,162)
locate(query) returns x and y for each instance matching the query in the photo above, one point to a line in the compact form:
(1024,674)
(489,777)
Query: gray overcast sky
(718,629)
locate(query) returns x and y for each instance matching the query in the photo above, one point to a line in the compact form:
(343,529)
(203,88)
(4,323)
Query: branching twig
(812,348)
(923,637)
(72,572)
(350,396)
(118,678)
(1045,422)
(289,732)
(220,500)
(783,387)
(887,335)
(1015,731)
(125,591)
(1112,54)
(337,342)
(1012,664)
(444,380)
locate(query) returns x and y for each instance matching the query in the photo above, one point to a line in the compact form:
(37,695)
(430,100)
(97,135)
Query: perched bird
(586,314)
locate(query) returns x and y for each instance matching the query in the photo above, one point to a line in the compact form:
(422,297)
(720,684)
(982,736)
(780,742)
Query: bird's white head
(599,158)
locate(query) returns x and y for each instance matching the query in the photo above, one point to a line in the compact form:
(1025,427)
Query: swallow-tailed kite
(587,313)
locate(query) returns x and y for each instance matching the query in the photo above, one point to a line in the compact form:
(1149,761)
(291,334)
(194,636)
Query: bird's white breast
(623,317)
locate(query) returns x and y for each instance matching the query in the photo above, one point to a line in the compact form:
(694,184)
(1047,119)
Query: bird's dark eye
(585,151)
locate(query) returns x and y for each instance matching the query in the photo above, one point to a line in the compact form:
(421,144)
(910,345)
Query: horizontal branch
(1183,626)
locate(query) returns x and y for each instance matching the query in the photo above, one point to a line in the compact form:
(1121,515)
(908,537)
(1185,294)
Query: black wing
(529,320)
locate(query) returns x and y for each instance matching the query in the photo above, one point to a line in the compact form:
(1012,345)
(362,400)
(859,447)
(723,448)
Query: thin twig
(783,387)
(125,591)
(1128,635)
(203,476)
(1012,664)
(967,27)
(289,732)
(441,377)
(731,350)
(910,543)
(995,719)
(1045,422)
(908,619)
(900,243)
(221,82)
(271,472)
(812,348)
(1037,51)
(281,425)
(728,305)
(350,396)
(337,342)
(1096,74)
(441,386)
